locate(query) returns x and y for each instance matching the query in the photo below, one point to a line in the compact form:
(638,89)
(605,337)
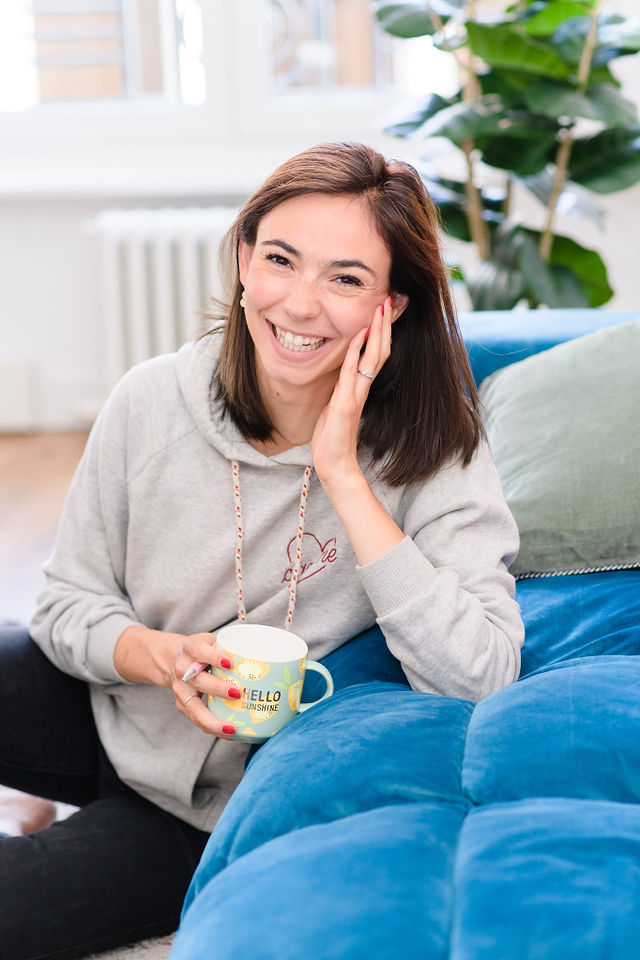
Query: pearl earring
(243,302)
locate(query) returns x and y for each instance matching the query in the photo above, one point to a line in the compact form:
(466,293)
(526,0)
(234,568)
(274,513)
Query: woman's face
(313,279)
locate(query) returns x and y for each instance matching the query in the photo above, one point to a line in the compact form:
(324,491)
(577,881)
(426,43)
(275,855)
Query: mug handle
(318,667)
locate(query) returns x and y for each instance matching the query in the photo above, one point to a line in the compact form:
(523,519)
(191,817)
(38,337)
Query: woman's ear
(244,259)
(400,301)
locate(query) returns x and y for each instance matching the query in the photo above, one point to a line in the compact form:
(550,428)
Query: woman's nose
(302,301)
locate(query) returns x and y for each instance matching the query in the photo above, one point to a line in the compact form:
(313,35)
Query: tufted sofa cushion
(579,616)
(368,746)
(374,884)
(548,879)
(435,830)
(563,733)
(385,821)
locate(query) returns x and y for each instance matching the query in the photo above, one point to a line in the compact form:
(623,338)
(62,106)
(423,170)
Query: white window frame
(350,112)
(228,143)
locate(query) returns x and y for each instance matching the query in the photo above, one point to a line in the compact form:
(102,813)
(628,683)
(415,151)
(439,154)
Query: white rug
(156,949)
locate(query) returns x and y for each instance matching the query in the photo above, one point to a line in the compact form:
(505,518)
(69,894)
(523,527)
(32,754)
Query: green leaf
(624,34)
(411,18)
(569,39)
(523,156)
(501,45)
(451,200)
(545,21)
(615,38)
(509,243)
(286,673)
(586,265)
(447,195)
(455,224)
(506,85)
(610,106)
(432,105)
(608,161)
(455,273)
(547,283)
(574,276)
(492,286)
(573,200)
(600,73)
(467,120)
(524,143)
(602,102)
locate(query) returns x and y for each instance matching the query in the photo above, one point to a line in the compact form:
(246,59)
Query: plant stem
(477,225)
(564,150)
(470,91)
(506,203)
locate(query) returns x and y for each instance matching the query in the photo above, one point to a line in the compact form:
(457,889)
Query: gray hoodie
(147,536)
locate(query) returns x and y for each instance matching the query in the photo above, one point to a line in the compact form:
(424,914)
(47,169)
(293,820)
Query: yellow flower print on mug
(262,712)
(229,702)
(268,669)
(294,693)
(250,669)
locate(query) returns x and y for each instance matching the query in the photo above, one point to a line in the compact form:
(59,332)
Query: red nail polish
(226,663)
(390,301)
(383,309)
(234,693)
(228,728)
(366,335)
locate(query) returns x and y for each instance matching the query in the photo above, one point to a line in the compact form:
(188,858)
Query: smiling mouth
(295,341)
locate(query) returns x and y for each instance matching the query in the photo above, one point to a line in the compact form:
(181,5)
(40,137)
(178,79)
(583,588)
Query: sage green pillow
(564,430)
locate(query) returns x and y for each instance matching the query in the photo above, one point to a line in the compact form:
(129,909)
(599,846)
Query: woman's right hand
(142,655)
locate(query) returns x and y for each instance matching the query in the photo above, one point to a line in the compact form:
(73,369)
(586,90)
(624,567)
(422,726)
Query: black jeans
(114,872)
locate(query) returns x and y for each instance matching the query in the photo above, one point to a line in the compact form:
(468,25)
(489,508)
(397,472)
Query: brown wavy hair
(422,407)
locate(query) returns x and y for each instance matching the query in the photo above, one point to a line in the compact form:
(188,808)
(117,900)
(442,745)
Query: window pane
(327,43)
(79,53)
(18,73)
(88,50)
(190,50)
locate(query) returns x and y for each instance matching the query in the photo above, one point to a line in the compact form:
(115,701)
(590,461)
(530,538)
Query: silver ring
(369,376)
(190,697)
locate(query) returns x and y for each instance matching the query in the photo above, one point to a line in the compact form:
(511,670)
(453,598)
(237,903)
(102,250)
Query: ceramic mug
(268,666)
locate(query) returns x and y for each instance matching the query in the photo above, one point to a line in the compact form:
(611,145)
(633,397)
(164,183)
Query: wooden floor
(35,473)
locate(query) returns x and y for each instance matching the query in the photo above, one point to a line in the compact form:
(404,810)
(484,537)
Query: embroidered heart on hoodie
(315,556)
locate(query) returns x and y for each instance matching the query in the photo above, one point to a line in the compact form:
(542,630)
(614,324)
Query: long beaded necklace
(293,586)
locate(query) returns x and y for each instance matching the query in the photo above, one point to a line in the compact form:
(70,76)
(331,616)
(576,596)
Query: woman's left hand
(335,438)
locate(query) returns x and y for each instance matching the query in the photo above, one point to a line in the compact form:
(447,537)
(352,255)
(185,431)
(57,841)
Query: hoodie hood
(197,365)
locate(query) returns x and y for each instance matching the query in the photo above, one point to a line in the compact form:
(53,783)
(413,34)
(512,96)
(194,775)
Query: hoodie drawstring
(293,586)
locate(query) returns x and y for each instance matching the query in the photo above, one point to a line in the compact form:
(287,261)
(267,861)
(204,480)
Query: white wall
(51,337)
(52,343)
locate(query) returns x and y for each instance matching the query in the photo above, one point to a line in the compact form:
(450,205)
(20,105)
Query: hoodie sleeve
(443,596)
(84,607)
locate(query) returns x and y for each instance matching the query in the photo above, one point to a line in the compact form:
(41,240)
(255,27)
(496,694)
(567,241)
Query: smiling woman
(294,468)
(346,208)
(302,309)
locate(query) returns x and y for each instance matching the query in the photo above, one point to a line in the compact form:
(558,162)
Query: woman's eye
(278,259)
(349,281)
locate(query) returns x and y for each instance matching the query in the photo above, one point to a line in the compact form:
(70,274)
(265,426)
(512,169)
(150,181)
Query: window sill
(195,170)
(187,170)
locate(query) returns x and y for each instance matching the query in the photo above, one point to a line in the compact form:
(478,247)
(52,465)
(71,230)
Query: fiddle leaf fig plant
(539,107)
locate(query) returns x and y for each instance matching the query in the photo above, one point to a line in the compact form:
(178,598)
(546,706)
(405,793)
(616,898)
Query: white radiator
(158,270)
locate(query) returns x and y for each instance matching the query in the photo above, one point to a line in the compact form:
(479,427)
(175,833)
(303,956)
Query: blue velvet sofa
(386,823)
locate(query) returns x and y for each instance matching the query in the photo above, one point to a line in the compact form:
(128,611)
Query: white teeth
(296,342)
